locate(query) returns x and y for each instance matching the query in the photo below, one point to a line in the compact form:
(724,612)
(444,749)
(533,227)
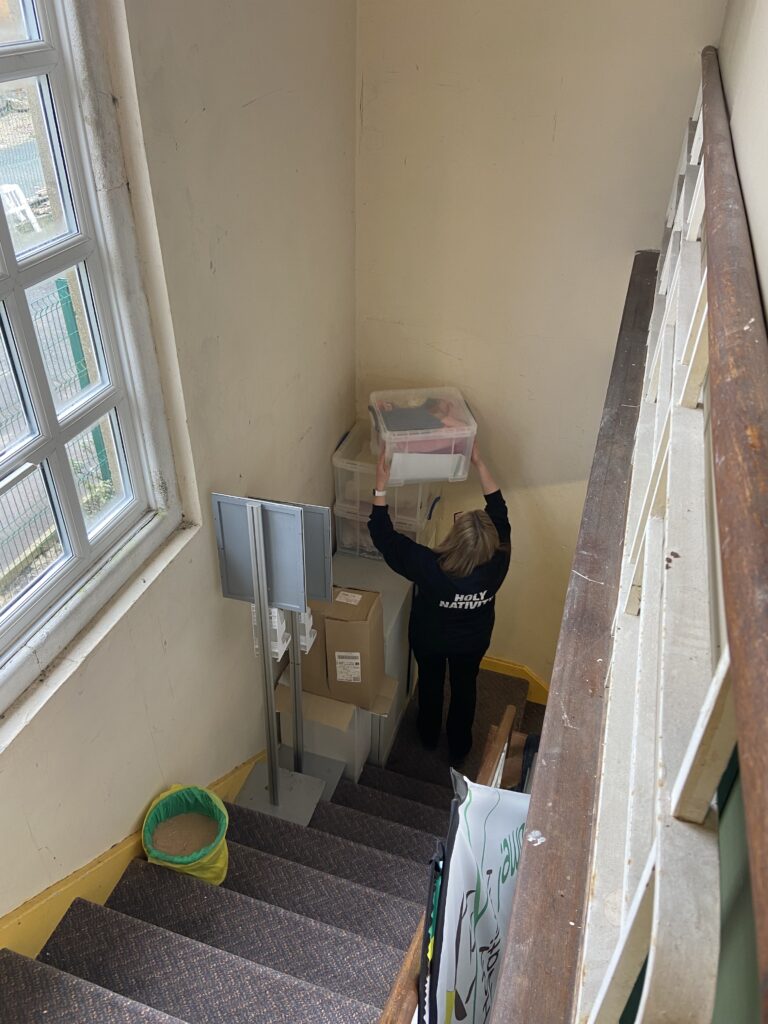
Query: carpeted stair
(310,924)
(32,993)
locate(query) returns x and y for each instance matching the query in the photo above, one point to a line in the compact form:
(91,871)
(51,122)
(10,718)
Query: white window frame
(32,633)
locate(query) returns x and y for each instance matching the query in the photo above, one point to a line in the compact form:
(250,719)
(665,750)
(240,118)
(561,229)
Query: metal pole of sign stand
(261,623)
(278,553)
(294,655)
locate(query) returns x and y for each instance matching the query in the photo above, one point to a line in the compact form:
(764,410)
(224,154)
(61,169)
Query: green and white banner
(470,902)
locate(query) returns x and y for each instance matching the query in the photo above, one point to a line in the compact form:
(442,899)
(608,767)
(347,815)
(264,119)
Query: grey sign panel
(284,550)
(318,549)
(297,541)
(230,516)
(318,552)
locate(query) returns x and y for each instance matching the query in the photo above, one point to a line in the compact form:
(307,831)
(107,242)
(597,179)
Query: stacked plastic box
(411,506)
(428,434)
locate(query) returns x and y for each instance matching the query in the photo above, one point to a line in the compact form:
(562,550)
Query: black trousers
(463,669)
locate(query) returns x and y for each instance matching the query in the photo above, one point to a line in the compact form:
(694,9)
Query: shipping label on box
(349,667)
(354,637)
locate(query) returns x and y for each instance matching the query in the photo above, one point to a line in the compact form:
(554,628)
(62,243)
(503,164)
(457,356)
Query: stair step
(287,942)
(33,992)
(323,897)
(185,978)
(373,868)
(393,808)
(403,785)
(368,830)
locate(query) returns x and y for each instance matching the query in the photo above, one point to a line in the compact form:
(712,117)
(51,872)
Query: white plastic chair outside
(16,206)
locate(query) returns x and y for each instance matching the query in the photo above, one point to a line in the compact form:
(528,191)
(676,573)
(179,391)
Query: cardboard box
(354,641)
(385,720)
(314,671)
(331,728)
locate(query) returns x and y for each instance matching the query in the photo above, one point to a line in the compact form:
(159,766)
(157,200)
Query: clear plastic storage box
(428,433)
(353,538)
(354,468)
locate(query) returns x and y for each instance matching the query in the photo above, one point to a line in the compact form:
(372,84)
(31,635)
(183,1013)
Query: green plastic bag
(209,863)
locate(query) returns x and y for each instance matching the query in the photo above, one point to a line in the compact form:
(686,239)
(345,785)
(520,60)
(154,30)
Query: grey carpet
(326,898)
(286,942)
(399,809)
(325,852)
(185,978)
(402,785)
(494,693)
(33,993)
(371,831)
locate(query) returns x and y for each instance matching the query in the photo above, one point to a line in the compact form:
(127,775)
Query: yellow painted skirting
(538,690)
(28,928)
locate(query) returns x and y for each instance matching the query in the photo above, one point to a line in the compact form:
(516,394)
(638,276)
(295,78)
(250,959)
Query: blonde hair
(473,540)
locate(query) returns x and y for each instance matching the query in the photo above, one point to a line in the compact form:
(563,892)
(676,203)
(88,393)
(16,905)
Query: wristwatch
(379,494)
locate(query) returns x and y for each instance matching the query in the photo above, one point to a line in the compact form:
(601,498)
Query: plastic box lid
(423,413)
(354,453)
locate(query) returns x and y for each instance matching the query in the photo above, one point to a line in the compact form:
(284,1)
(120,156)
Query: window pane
(30,541)
(71,356)
(14,422)
(17,21)
(33,186)
(98,464)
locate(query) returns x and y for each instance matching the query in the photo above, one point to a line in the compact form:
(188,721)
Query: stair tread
(391,807)
(285,941)
(186,978)
(378,833)
(33,991)
(323,897)
(404,785)
(336,855)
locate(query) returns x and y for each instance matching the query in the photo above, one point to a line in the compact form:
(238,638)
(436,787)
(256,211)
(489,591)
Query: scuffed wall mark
(152,732)
(37,848)
(264,95)
(535,838)
(600,583)
(384,320)
(442,351)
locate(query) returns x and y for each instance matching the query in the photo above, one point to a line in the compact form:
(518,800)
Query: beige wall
(511,159)
(248,118)
(744,67)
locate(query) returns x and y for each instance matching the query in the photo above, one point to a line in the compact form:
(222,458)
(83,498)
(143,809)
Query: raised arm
(401,554)
(495,505)
(487,482)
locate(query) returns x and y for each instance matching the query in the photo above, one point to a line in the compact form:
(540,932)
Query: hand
(382,471)
(477,459)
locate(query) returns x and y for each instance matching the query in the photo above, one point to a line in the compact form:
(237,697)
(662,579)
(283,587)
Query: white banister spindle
(669,727)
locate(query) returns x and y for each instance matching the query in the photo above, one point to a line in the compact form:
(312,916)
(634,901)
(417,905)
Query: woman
(453,607)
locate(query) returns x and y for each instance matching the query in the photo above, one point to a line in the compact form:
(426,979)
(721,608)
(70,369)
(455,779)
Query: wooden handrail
(738,388)
(537,979)
(498,738)
(403,996)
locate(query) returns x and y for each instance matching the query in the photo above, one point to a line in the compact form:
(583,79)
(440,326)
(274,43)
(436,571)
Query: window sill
(131,574)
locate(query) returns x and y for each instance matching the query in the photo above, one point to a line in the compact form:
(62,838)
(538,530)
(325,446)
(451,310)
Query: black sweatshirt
(449,616)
